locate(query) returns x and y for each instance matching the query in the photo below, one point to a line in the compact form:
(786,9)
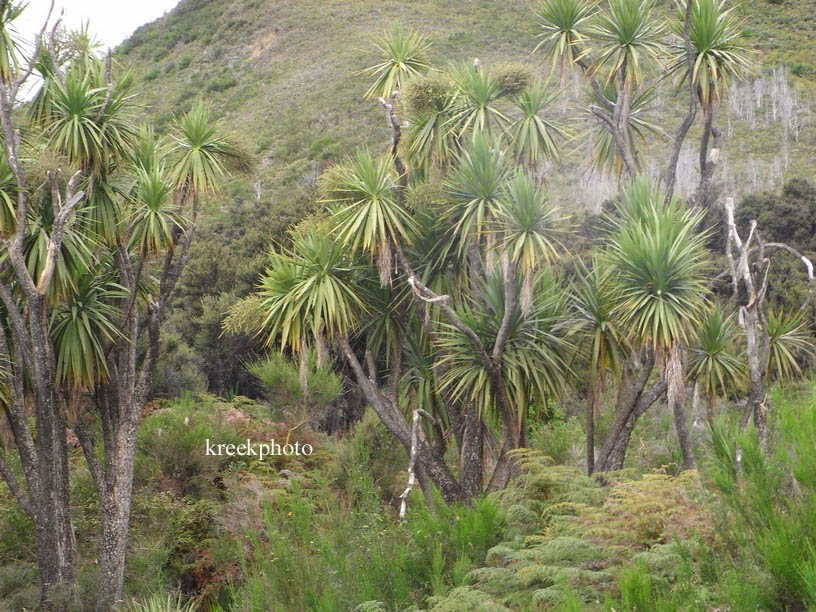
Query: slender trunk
(709,156)
(591,410)
(683,128)
(681,425)
(755,406)
(675,397)
(118,483)
(633,381)
(634,398)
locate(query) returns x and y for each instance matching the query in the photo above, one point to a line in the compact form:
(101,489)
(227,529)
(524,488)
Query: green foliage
(658,263)
(309,289)
(528,224)
(534,363)
(719,53)
(368,214)
(179,368)
(475,189)
(9,44)
(83,124)
(83,324)
(177,437)
(602,340)
(369,465)
(312,534)
(280,380)
(204,156)
(635,586)
(559,437)
(639,129)
(625,33)
(403,55)
(789,339)
(158,603)
(7,197)
(476,108)
(153,219)
(714,361)
(429,139)
(534,136)
(771,499)
(564,26)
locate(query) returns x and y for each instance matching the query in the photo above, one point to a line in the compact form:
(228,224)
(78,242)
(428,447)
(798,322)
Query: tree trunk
(675,396)
(591,411)
(613,458)
(471,452)
(708,158)
(116,504)
(755,406)
(633,400)
(681,426)
(710,408)
(433,465)
(56,545)
(633,381)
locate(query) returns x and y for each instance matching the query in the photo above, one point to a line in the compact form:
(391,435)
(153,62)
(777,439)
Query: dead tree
(749,267)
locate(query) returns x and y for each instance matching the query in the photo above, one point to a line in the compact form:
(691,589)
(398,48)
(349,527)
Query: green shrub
(635,584)
(175,437)
(221,83)
(160,603)
(772,500)
(562,438)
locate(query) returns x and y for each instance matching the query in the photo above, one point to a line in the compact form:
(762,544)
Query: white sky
(111,21)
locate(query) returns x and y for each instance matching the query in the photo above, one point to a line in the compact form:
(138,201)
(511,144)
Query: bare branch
(599,113)
(396,136)
(57,230)
(808,267)
(109,85)
(425,294)
(415,437)
(509,307)
(15,86)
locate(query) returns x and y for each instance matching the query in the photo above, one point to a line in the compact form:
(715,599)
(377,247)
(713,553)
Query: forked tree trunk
(633,400)
(709,157)
(433,465)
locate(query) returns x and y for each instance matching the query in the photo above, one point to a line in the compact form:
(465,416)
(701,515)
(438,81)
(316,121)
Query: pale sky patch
(111,21)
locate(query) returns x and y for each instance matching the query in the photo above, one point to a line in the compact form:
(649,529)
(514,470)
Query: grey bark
(30,357)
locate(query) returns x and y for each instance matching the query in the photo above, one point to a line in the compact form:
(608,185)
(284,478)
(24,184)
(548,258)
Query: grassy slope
(281,73)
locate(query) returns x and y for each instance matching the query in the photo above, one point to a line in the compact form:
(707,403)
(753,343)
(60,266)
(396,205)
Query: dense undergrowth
(321,532)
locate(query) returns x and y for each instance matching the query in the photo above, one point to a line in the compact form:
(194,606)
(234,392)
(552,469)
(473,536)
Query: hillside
(281,74)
